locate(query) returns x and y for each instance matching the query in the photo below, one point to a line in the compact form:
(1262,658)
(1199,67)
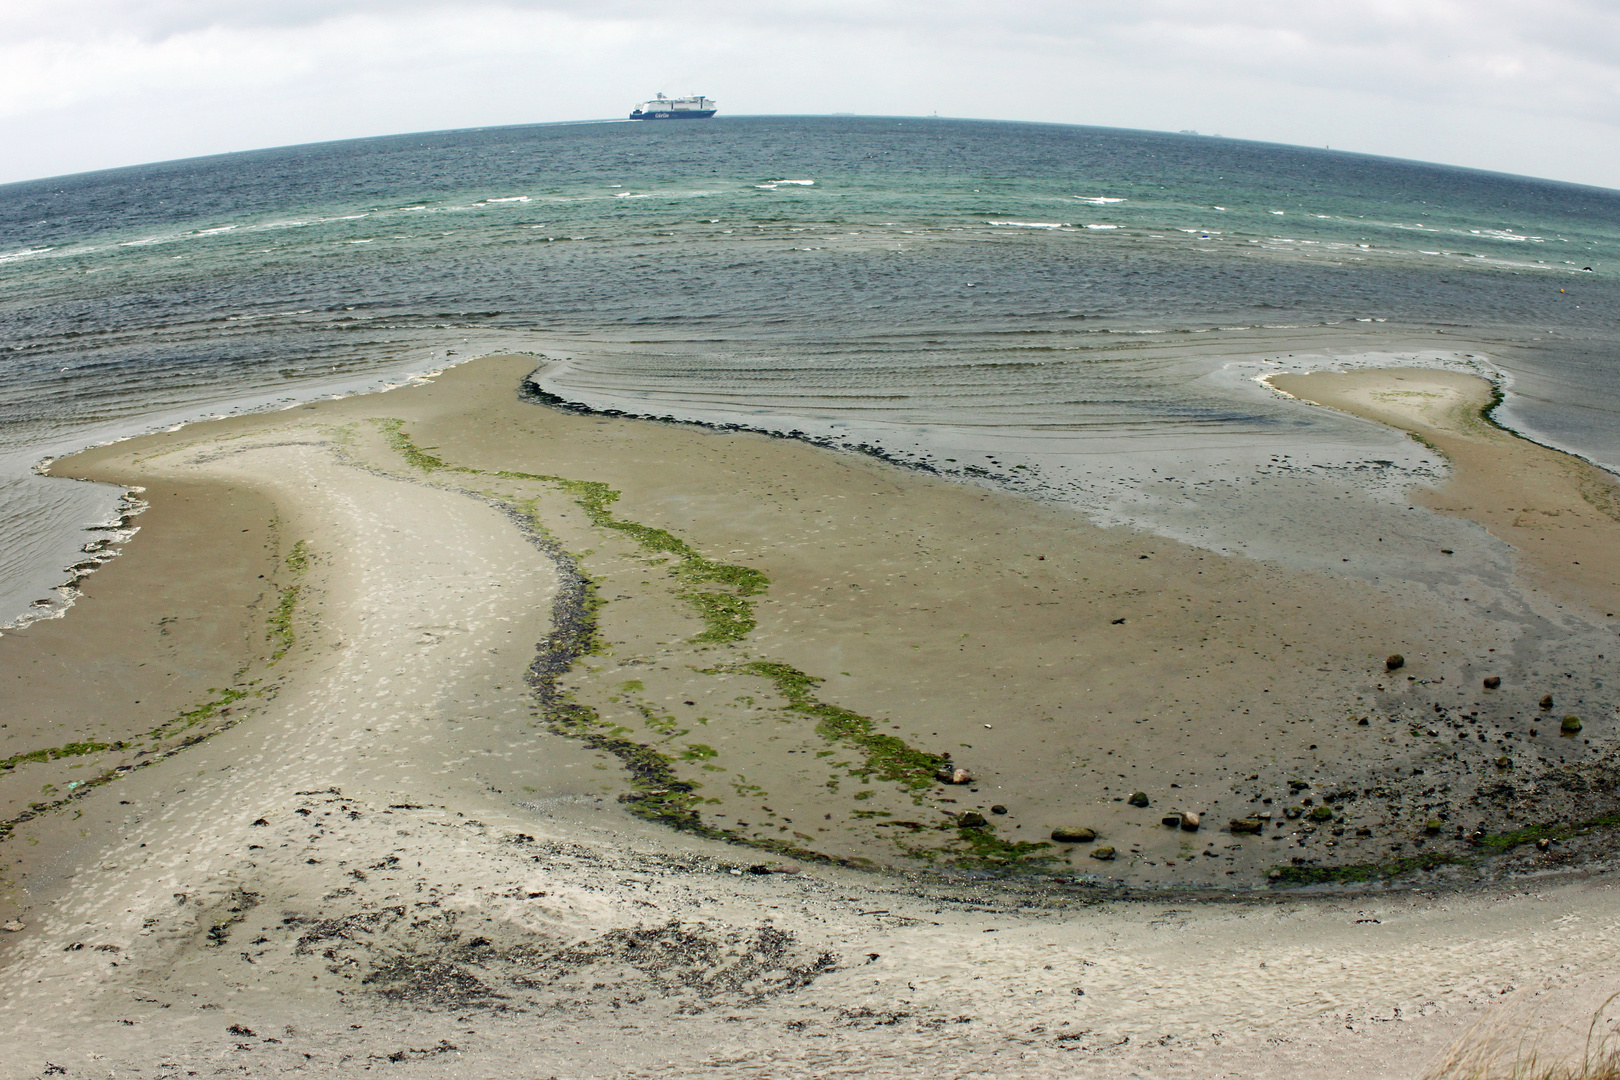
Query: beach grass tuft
(1527,1046)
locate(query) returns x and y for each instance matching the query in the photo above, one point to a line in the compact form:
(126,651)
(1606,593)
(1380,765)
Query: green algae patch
(594,497)
(1359,873)
(1485,845)
(216,707)
(417,457)
(1496,843)
(886,757)
(208,710)
(657,793)
(1426,444)
(279,630)
(726,617)
(53,753)
(979,848)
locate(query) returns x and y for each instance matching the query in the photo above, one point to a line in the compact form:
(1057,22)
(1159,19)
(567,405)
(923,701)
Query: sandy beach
(444,731)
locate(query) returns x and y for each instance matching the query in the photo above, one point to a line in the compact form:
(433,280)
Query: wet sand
(400,822)
(1560,513)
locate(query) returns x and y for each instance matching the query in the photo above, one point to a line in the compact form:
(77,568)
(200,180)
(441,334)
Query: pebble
(953,775)
(1492,681)
(11,927)
(1571,725)
(1394,661)
(1245,825)
(1189,821)
(971,820)
(1103,853)
(1074,836)
(1138,798)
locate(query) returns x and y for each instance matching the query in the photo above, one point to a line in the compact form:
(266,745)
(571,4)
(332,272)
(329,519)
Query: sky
(1511,85)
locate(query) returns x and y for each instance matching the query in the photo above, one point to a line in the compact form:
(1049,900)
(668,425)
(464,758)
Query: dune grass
(1528,1046)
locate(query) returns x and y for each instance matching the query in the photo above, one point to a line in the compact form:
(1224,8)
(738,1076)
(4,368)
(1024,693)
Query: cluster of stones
(1185,820)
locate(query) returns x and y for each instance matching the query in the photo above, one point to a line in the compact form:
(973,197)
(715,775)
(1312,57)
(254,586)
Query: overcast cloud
(1499,84)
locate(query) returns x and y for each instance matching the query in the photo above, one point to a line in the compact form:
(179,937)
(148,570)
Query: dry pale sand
(404,848)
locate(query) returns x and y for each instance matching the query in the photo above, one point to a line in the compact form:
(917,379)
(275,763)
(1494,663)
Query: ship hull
(683,114)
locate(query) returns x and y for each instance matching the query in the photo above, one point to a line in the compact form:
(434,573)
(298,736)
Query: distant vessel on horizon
(696,107)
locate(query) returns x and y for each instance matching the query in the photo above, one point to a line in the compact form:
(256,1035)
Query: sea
(1080,314)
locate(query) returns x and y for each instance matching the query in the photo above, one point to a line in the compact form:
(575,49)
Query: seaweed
(886,757)
(206,711)
(987,851)
(1530,834)
(1359,872)
(1485,845)
(279,632)
(183,721)
(415,456)
(726,617)
(52,753)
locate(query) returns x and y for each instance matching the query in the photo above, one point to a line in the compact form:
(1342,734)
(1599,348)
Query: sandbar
(547,737)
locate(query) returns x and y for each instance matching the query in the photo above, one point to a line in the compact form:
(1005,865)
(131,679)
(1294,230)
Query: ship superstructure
(696,107)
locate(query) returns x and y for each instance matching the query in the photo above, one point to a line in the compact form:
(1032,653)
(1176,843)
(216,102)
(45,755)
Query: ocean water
(1078,313)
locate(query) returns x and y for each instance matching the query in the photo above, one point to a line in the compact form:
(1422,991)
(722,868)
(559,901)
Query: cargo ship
(696,107)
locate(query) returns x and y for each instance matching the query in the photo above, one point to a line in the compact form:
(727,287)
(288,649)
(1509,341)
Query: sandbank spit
(448,732)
